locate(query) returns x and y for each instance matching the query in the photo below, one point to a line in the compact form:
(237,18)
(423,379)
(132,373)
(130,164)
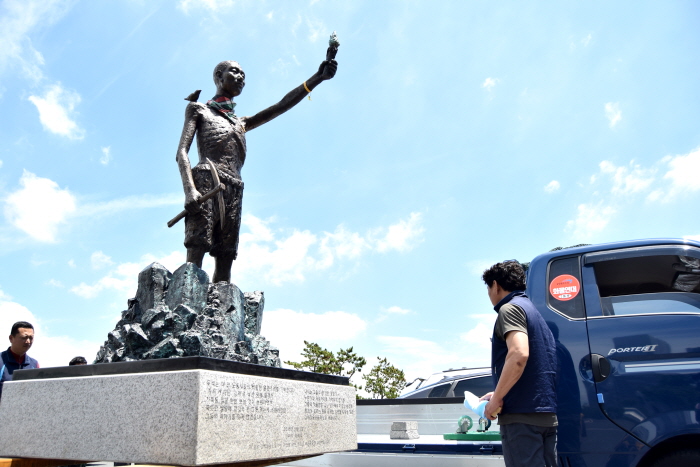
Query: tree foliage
(384,381)
(319,360)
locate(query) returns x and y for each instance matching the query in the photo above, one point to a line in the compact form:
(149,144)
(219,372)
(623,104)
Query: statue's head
(229,78)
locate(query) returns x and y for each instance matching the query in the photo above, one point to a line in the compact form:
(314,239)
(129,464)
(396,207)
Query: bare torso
(220,140)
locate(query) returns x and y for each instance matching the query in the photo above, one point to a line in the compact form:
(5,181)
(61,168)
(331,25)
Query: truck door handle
(600,366)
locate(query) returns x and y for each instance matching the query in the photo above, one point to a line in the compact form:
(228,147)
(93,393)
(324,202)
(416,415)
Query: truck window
(564,284)
(649,284)
(440,391)
(477,386)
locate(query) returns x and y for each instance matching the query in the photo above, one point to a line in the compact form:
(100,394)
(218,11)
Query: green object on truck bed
(476,436)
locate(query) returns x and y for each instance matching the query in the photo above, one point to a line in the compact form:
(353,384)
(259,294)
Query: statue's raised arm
(326,71)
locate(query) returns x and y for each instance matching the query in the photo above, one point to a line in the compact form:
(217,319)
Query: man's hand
(192,202)
(486,397)
(327,69)
(493,407)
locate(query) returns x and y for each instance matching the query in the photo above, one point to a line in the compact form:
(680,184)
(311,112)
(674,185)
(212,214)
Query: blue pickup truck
(626,319)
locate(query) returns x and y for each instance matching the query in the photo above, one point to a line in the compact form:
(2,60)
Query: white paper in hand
(472,402)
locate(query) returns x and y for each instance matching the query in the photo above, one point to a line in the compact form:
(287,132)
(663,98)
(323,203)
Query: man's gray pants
(529,445)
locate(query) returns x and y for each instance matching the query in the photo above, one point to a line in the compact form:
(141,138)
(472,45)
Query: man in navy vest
(15,357)
(524,362)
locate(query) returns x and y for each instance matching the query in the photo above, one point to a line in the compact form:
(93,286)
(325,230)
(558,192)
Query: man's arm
(325,71)
(183,160)
(516,359)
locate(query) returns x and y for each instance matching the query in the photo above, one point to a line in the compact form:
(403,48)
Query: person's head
(504,278)
(78,361)
(229,78)
(21,337)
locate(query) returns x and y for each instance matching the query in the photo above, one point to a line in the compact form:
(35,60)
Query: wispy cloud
(316,29)
(615,188)
(39,207)
(18,19)
(552,186)
(106,155)
(99,260)
(395,310)
(613,113)
(211,5)
(130,202)
(489,83)
(628,179)
(682,173)
(122,278)
(56,109)
(590,220)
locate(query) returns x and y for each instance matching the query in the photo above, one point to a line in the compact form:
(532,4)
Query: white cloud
(552,186)
(628,180)
(211,5)
(99,260)
(590,220)
(402,236)
(4,296)
(55,109)
(71,263)
(48,349)
(489,83)
(288,257)
(316,29)
(280,67)
(123,278)
(396,310)
(288,329)
(613,113)
(130,203)
(617,187)
(587,40)
(106,155)
(55,283)
(684,172)
(0,163)
(679,176)
(39,207)
(18,19)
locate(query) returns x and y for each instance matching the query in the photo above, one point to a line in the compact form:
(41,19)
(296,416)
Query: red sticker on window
(564,287)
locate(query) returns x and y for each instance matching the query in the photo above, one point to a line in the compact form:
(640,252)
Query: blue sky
(455,134)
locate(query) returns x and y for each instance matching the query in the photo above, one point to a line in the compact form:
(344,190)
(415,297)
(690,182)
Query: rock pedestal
(182,314)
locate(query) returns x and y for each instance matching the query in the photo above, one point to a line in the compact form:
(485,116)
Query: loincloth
(203,229)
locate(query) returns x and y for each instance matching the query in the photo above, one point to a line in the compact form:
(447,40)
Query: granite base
(189,418)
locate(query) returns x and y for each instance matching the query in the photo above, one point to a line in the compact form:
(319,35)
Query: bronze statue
(213,188)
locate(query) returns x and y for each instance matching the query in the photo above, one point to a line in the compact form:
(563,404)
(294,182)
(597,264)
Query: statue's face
(232,80)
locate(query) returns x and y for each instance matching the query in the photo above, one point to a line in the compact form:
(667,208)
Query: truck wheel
(688,458)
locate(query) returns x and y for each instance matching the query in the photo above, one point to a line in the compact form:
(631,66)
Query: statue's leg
(196,256)
(222,268)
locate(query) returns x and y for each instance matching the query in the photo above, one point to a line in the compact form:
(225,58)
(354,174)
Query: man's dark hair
(508,274)
(78,361)
(20,324)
